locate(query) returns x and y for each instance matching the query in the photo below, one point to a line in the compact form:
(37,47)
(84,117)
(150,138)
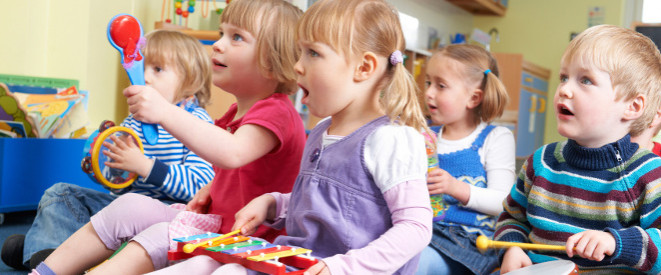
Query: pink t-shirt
(657,148)
(274,172)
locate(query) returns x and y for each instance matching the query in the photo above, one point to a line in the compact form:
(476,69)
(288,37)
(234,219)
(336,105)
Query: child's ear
(366,67)
(636,107)
(475,99)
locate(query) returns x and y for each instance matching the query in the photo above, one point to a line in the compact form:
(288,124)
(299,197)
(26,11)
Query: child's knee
(59,189)
(130,207)
(155,241)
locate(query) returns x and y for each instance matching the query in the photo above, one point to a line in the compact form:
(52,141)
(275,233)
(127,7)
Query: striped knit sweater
(178,173)
(564,188)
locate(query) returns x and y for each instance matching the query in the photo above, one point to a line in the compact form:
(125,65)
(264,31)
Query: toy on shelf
(14,119)
(94,160)
(251,253)
(183,13)
(125,34)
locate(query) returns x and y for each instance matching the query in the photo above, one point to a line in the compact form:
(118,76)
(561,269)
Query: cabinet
(527,87)
(482,7)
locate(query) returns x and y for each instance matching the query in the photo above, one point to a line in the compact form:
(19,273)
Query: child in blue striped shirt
(179,67)
(597,193)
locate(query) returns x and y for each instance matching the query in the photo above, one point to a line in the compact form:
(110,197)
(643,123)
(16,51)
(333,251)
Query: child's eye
(427,84)
(586,81)
(313,53)
(221,33)
(237,37)
(158,69)
(563,78)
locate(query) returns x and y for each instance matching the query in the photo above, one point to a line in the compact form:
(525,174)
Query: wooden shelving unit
(416,63)
(481,7)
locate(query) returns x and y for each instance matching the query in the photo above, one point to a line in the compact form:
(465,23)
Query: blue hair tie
(487,72)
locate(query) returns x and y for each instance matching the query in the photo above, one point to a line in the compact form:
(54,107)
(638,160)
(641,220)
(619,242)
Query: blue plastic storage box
(29,166)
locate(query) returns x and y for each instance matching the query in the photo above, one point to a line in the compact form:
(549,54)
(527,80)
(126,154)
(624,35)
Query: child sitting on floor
(596,193)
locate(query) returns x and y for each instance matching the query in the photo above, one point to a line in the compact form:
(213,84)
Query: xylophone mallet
(483,243)
(188,248)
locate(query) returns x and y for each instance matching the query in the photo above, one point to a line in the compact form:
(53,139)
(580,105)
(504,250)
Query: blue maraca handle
(137,76)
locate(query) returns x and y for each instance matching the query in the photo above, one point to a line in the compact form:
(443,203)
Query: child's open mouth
(564,111)
(432,108)
(217,63)
(305,91)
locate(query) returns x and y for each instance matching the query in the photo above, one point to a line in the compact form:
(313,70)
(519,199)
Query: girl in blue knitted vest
(476,159)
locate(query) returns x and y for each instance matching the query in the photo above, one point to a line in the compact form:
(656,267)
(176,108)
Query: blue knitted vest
(465,166)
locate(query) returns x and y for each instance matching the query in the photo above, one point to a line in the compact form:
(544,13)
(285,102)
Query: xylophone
(251,253)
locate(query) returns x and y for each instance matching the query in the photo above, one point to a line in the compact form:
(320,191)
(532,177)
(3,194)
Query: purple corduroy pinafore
(335,205)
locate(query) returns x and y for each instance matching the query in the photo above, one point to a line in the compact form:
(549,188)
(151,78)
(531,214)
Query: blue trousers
(63,209)
(452,251)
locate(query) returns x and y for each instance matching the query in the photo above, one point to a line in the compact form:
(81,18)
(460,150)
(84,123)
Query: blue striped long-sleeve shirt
(178,173)
(565,189)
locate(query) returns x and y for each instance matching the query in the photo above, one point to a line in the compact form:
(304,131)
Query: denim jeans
(63,209)
(452,251)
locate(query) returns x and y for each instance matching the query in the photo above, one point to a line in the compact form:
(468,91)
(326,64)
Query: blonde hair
(477,61)
(273,23)
(630,58)
(353,27)
(189,59)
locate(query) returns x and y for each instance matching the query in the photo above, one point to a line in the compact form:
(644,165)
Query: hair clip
(487,71)
(396,57)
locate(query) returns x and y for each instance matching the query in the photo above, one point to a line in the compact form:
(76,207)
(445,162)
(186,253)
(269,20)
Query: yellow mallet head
(482,243)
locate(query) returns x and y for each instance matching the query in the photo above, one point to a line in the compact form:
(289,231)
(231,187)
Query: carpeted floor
(14,223)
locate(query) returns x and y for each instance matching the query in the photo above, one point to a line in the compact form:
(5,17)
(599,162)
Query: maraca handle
(137,73)
(137,76)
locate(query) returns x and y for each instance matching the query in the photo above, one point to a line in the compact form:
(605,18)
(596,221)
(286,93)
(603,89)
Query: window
(651,11)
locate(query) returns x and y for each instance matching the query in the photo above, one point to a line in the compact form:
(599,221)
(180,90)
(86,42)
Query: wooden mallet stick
(483,243)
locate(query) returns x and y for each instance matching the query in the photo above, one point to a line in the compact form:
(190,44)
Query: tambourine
(94,160)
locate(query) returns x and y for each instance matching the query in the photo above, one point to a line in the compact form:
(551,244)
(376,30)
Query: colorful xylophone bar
(253,254)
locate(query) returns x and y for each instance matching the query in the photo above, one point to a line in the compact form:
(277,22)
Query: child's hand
(201,200)
(514,259)
(318,268)
(591,244)
(146,104)
(440,181)
(126,155)
(254,213)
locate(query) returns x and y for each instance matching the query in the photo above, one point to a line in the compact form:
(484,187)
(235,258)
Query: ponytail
(400,99)
(494,98)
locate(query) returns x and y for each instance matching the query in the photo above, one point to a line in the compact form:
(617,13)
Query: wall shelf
(481,7)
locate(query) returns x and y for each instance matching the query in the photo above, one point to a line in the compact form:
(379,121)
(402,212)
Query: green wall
(540,30)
